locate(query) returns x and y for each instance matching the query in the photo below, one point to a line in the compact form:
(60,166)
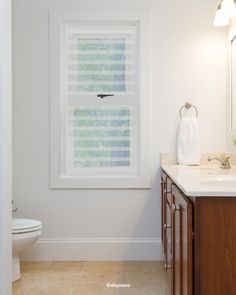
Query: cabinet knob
(167,226)
(167,265)
(175,207)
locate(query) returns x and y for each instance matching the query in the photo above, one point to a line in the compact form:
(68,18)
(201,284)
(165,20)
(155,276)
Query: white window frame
(57,180)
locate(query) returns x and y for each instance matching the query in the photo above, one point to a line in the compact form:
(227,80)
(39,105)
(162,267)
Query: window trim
(57,181)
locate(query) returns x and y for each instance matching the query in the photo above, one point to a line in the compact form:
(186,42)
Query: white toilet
(24,233)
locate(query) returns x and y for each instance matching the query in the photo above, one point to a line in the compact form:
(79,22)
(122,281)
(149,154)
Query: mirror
(233,85)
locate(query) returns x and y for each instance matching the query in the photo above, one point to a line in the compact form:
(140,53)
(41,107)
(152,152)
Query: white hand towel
(188,147)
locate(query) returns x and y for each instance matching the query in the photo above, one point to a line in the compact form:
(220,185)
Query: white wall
(188,64)
(5,147)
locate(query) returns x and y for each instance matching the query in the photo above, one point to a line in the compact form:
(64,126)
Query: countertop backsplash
(170,158)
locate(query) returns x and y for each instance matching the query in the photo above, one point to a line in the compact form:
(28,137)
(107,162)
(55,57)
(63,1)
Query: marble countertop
(203,180)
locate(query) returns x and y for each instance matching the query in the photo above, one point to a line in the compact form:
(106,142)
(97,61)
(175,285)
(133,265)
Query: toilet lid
(20,225)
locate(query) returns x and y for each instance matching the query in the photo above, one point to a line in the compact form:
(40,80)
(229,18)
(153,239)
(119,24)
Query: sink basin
(221,180)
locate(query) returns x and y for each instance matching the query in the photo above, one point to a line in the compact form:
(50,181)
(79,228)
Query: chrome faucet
(224,160)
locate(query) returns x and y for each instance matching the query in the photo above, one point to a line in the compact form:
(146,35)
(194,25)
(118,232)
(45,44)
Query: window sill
(101,183)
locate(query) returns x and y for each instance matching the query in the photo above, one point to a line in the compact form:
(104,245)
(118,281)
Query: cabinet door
(182,228)
(169,250)
(168,225)
(165,200)
(163,212)
(163,208)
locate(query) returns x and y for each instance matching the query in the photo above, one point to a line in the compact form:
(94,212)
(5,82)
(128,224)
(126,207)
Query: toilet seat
(20,225)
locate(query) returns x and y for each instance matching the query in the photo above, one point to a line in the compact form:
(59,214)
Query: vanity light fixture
(228,6)
(221,18)
(224,12)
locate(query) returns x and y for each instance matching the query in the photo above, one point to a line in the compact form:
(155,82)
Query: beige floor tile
(93,288)
(63,271)
(98,280)
(138,271)
(90,278)
(67,266)
(165,285)
(145,290)
(143,265)
(52,286)
(21,287)
(143,286)
(144,278)
(33,270)
(34,266)
(104,266)
(30,272)
(95,276)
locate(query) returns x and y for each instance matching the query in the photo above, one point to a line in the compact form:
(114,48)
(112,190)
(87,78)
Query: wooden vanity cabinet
(199,238)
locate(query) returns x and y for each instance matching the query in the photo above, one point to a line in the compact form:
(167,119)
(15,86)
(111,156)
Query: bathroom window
(98,100)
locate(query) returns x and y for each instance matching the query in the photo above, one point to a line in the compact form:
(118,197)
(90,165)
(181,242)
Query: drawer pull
(175,207)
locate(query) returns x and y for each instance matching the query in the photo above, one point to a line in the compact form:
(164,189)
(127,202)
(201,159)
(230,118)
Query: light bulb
(221,18)
(228,7)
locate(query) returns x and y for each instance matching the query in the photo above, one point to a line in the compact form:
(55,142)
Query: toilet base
(15,268)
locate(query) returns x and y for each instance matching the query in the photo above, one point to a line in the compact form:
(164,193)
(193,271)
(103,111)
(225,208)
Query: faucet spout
(224,160)
(213,158)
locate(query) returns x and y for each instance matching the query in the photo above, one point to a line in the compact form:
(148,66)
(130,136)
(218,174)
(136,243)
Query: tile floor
(91,278)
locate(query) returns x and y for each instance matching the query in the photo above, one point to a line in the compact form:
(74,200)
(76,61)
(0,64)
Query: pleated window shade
(101,134)
(101,59)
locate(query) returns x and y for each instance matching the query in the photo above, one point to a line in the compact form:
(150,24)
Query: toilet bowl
(24,233)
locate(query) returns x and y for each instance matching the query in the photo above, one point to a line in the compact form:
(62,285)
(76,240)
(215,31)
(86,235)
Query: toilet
(24,233)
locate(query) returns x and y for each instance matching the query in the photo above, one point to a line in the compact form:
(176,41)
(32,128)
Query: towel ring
(188,106)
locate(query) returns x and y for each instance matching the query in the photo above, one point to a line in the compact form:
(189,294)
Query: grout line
(77,281)
(36,279)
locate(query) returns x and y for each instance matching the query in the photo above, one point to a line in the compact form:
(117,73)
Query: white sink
(220,180)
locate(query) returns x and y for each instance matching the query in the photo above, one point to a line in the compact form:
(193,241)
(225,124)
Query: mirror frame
(232,37)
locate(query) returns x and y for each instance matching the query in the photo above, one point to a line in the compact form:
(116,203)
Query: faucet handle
(225,158)
(226,162)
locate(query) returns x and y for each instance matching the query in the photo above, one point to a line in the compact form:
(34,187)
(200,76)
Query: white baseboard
(94,249)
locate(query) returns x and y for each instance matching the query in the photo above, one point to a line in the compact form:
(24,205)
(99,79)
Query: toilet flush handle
(13,209)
